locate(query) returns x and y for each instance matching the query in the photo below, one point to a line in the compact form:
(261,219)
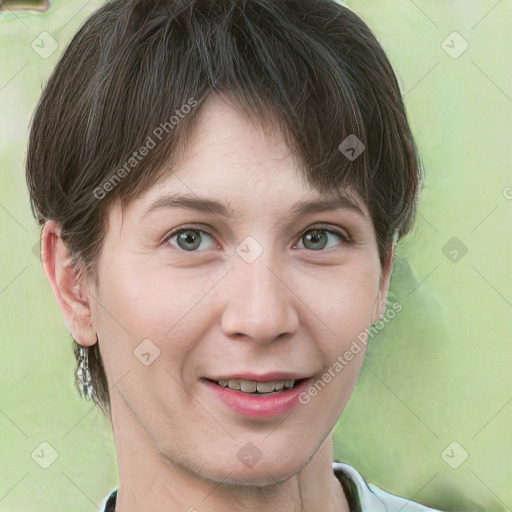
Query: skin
(209,312)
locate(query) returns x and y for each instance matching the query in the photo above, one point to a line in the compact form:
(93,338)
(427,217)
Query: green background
(440,371)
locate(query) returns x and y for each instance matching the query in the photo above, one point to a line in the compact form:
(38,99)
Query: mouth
(258,396)
(258,387)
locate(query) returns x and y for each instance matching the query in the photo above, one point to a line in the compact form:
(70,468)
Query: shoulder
(375,499)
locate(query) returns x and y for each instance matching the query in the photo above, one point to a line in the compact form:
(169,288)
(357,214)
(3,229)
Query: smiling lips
(270,382)
(253,386)
(259,396)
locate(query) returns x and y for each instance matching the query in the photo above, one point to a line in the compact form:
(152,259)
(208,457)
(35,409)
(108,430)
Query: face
(193,297)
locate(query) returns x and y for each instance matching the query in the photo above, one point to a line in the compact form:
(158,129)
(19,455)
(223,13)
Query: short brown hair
(312,67)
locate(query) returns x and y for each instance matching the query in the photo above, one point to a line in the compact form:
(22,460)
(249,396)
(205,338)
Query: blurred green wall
(431,415)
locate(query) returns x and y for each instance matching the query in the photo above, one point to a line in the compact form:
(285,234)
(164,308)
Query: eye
(317,237)
(189,239)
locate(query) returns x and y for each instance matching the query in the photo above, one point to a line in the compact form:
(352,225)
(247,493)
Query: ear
(71,294)
(379,308)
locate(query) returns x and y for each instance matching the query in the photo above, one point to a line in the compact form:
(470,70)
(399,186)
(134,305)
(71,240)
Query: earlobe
(70,293)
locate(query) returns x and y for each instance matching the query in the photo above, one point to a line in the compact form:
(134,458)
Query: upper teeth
(251,386)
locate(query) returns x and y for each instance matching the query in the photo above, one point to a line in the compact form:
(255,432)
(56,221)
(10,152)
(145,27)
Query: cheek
(344,300)
(142,299)
(141,307)
(345,305)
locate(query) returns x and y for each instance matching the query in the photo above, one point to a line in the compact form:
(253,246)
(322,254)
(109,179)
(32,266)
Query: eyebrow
(204,204)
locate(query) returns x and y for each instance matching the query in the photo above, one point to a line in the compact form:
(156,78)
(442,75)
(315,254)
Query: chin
(268,475)
(261,472)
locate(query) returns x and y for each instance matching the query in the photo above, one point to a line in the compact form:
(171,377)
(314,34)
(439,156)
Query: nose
(261,305)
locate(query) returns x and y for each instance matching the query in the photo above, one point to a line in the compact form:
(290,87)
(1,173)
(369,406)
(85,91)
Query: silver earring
(83,374)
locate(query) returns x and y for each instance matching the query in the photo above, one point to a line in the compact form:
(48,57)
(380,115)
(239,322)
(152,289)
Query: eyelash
(320,227)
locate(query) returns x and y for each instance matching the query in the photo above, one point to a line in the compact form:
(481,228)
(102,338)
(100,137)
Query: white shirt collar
(374,499)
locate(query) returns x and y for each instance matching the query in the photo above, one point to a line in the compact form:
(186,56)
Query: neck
(149,480)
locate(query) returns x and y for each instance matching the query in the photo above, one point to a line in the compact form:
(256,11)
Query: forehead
(226,133)
(234,165)
(231,154)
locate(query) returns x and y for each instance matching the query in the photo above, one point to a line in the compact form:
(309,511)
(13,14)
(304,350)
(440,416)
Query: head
(259,106)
